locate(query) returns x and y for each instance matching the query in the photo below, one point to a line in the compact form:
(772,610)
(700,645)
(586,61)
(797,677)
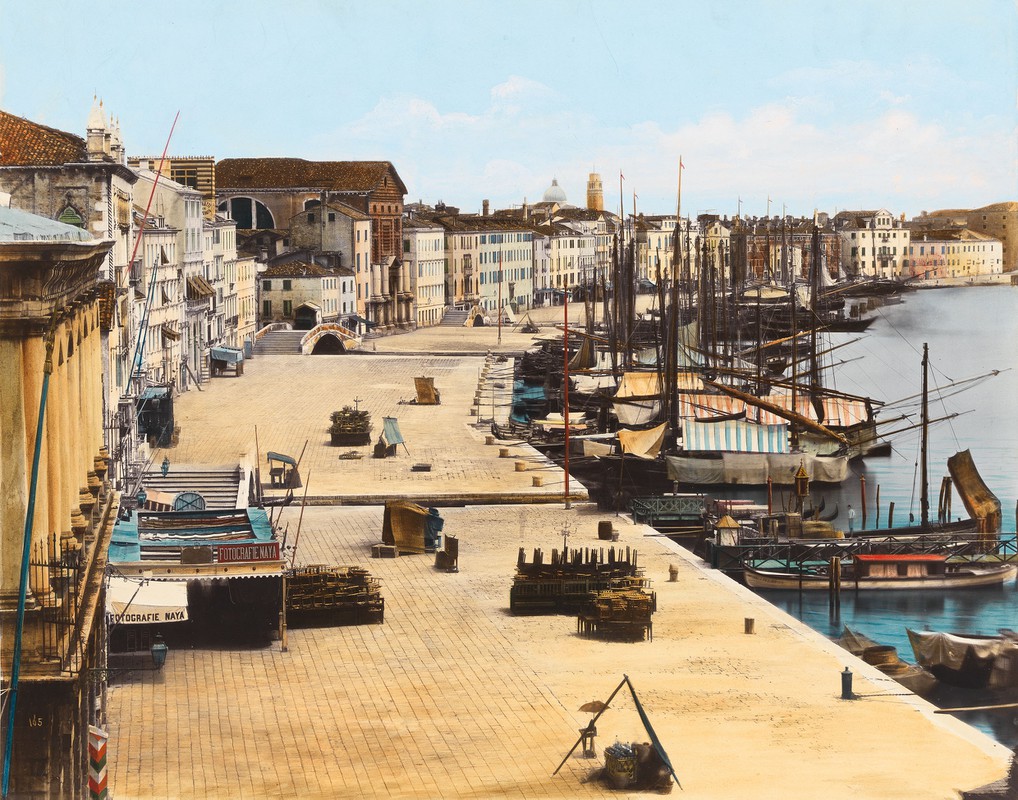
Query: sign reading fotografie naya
(263,551)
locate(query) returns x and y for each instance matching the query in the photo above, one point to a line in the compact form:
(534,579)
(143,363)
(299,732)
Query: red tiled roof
(293,173)
(295,269)
(25,143)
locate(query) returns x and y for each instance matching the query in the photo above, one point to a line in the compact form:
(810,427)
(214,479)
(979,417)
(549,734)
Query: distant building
(999,220)
(305,295)
(953,254)
(341,231)
(424,250)
(873,243)
(194,172)
(268,192)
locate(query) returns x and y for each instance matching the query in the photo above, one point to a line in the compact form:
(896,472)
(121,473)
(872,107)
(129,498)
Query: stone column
(34,359)
(13,472)
(385,279)
(376,280)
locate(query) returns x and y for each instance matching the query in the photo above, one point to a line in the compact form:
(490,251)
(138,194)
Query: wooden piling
(890,515)
(862,492)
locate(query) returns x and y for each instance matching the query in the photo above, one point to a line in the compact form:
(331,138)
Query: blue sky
(831,105)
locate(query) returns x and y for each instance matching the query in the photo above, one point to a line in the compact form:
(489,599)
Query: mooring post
(846,685)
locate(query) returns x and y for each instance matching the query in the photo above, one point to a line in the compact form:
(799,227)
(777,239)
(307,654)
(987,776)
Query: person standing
(851,519)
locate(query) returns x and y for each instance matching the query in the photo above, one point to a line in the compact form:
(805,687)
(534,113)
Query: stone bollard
(673,573)
(489,439)
(750,625)
(473,411)
(538,480)
(521,466)
(503,452)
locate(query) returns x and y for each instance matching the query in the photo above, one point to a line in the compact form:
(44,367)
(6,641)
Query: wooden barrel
(880,655)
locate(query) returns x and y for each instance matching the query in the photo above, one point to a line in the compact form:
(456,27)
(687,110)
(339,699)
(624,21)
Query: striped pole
(97,787)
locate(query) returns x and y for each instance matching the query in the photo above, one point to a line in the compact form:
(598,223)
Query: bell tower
(595,194)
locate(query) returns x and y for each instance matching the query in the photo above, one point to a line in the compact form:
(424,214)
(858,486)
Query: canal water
(971,331)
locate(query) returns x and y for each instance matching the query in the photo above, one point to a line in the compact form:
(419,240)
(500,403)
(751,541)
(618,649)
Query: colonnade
(72,457)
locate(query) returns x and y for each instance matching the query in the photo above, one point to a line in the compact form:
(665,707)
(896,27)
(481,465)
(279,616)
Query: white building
(181,207)
(424,250)
(873,243)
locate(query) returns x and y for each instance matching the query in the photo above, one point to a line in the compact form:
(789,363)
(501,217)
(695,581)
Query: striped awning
(734,436)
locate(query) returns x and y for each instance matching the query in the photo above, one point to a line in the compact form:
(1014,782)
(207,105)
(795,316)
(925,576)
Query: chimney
(484,208)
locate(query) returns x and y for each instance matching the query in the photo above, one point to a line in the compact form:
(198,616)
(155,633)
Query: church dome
(554,193)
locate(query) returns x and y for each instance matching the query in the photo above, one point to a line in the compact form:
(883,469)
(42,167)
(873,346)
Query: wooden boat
(927,571)
(913,677)
(971,661)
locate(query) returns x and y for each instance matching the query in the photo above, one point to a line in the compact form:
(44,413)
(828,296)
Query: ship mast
(924,454)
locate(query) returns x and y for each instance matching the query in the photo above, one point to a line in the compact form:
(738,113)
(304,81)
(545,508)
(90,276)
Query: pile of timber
(565,583)
(622,612)
(328,595)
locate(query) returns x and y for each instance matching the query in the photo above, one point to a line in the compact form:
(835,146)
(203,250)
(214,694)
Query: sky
(908,105)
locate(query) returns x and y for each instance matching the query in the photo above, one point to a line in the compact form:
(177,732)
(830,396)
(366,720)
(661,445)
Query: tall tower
(595,194)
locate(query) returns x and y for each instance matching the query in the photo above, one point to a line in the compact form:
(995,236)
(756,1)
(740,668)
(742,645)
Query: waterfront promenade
(455,697)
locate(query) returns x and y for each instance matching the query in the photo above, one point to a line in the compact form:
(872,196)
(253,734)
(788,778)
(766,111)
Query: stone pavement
(455,697)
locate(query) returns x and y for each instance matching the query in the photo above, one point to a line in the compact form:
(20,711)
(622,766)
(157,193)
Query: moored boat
(971,661)
(926,571)
(913,677)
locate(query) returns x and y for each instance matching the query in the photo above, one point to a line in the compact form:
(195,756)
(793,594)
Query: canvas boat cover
(643,444)
(933,647)
(754,469)
(132,602)
(637,400)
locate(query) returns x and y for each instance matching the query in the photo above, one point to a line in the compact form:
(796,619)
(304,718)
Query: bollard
(503,452)
(750,625)
(521,466)
(538,480)
(673,573)
(473,411)
(846,685)
(489,439)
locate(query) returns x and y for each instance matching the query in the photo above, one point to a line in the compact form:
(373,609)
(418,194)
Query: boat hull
(969,578)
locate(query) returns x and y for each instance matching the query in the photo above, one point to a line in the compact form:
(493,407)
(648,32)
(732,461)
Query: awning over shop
(169,333)
(228,354)
(134,602)
(155,393)
(198,288)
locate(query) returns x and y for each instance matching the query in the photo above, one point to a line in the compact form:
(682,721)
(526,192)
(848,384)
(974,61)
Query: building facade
(424,250)
(874,244)
(268,192)
(51,403)
(86,183)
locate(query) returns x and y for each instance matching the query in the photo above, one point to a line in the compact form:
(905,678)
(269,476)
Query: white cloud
(884,155)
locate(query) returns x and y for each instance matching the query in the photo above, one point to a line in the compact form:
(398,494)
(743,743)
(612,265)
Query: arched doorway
(305,317)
